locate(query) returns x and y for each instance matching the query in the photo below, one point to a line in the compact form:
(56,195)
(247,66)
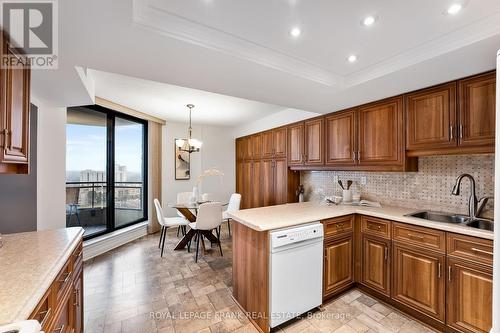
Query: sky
(86,146)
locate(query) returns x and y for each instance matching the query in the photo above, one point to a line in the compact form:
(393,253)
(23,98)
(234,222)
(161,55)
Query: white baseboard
(102,244)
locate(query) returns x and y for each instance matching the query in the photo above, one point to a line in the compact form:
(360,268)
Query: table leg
(185,240)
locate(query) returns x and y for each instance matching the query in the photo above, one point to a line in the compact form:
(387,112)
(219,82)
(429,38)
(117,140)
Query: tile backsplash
(429,188)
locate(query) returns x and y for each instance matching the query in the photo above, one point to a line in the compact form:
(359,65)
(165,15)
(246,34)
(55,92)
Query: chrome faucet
(475,206)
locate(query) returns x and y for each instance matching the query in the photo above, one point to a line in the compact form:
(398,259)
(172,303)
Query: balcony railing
(128,195)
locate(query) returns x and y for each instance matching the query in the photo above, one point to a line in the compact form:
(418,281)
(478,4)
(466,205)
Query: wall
(51,175)
(429,188)
(218,151)
(277,119)
(18,192)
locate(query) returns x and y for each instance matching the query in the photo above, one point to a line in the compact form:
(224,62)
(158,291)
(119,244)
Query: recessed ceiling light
(368,21)
(295,32)
(352,58)
(454,8)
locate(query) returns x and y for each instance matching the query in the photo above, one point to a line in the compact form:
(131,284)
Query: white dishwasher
(295,271)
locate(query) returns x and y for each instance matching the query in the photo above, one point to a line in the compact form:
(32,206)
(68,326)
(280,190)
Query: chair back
(209,216)
(183,197)
(234,202)
(159,212)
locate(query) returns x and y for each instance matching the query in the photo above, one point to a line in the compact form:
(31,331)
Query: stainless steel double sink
(478,223)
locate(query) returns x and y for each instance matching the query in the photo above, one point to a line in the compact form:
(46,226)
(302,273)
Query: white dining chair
(168,222)
(209,218)
(234,205)
(183,198)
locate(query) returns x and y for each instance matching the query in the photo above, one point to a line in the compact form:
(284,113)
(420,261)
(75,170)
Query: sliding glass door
(106,170)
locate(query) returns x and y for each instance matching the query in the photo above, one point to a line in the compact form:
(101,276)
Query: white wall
(51,172)
(218,151)
(277,119)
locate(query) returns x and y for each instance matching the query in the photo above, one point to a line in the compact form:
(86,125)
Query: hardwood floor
(132,289)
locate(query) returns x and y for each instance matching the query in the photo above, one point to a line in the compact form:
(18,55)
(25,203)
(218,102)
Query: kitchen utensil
(349,183)
(340,183)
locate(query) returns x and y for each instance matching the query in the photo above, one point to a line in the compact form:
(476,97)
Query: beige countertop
(283,216)
(29,262)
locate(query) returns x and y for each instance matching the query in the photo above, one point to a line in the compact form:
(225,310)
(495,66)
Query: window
(106,170)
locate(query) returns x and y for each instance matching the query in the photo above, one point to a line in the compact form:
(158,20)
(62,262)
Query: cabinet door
(376,269)
(279,140)
(247,148)
(341,138)
(295,144)
(418,280)
(280,182)
(240,151)
(431,118)
(314,137)
(240,184)
(470,288)
(267,182)
(256,146)
(338,265)
(477,110)
(267,144)
(78,303)
(381,133)
(246,195)
(16,115)
(63,321)
(256,184)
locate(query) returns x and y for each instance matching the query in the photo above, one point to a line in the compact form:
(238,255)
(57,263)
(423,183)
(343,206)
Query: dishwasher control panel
(296,234)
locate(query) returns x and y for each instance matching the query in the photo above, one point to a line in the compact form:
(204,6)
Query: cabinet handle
(66,277)
(416,236)
(449,273)
(8,139)
(359,156)
(75,292)
(461,131)
(354,156)
(59,329)
(439,270)
(326,257)
(386,253)
(46,315)
(482,251)
(2,138)
(452,130)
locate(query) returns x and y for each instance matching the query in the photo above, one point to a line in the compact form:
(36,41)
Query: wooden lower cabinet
(338,265)
(61,308)
(419,280)
(469,296)
(376,264)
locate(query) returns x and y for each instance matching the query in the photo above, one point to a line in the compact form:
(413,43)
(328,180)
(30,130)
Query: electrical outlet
(335,178)
(362,180)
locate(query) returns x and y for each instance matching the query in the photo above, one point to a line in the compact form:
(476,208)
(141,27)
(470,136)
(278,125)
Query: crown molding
(161,21)
(174,26)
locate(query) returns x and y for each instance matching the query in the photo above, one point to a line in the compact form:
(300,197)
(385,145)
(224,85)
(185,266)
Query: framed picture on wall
(182,161)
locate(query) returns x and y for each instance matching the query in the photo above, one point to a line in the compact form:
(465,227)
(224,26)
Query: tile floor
(132,289)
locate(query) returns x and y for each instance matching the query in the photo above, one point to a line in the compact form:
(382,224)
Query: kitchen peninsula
(404,261)
(42,279)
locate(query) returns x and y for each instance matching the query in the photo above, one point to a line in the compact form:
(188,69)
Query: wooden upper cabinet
(338,265)
(246,195)
(340,137)
(256,192)
(282,182)
(240,153)
(255,146)
(469,296)
(267,182)
(477,110)
(431,118)
(376,267)
(419,280)
(313,142)
(279,139)
(295,144)
(381,133)
(267,144)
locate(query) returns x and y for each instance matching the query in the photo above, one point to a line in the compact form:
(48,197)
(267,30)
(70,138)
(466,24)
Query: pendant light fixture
(194,145)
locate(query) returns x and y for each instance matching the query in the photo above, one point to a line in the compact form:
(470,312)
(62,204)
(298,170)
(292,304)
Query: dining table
(189,211)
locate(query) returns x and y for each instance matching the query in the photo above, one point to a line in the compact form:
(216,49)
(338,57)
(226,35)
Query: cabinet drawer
(77,256)
(44,312)
(63,318)
(376,227)
(426,237)
(62,281)
(338,225)
(472,248)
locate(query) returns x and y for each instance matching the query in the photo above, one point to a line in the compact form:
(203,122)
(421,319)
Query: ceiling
(167,101)
(243,48)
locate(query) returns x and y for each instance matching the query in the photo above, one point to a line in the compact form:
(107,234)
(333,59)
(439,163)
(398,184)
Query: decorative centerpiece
(300,192)
(195,196)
